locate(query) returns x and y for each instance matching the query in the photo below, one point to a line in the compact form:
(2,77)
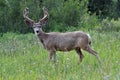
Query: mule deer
(55,41)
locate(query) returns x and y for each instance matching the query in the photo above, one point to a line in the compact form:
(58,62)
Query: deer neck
(42,35)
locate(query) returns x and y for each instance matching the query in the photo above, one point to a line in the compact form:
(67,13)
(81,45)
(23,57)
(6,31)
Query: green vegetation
(22,57)
(63,14)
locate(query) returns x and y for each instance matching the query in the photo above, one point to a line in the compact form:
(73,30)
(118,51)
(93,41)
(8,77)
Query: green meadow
(22,57)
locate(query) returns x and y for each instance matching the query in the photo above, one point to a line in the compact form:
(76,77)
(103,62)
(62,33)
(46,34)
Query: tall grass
(22,57)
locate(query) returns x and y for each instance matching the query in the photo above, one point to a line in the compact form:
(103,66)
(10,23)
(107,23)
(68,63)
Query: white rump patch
(89,37)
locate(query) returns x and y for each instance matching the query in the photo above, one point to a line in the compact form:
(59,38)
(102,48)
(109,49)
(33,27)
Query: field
(22,57)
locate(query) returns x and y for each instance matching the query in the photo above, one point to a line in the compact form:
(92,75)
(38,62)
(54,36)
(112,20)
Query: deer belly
(65,47)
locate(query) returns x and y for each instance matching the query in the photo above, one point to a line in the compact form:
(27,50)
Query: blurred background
(101,15)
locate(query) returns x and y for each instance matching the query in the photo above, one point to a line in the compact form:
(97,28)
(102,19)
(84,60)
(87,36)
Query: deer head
(36,26)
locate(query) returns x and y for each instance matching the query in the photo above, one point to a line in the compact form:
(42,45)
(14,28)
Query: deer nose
(37,31)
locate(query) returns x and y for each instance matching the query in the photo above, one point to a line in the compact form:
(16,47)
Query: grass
(22,57)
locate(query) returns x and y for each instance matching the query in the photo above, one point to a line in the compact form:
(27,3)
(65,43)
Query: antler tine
(25,14)
(45,18)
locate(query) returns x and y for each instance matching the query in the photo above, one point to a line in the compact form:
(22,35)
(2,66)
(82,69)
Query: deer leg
(52,56)
(79,52)
(88,49)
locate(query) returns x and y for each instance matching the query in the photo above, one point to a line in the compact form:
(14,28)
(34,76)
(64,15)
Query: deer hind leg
(88,49)
(79,52)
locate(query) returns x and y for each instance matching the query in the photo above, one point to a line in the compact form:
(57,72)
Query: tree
(99,7)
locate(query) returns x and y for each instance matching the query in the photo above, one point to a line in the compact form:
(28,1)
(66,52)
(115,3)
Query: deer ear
(28,22)
(44,21)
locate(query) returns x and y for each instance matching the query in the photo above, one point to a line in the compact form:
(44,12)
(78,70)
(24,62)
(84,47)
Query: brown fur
(55,41)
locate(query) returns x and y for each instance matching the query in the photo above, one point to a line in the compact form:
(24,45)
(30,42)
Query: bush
(63,14)
(110,25)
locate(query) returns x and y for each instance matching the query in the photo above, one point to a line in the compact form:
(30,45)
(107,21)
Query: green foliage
(110,25)
(99,6)
(63,14)
(104,8)
(22,57)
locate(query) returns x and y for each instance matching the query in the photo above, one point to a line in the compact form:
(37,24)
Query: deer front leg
(52,56)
